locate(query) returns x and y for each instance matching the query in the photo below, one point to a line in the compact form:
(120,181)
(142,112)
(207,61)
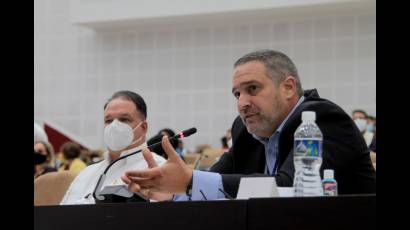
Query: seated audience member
(44,166)
(372,146)
(90,157)
(360,119)
(157,138)
(270,101)
(371,124)
(224,143)
(229,137)
(200,148)
(372,149)
(59,159)
(71,152)
(84,155)
(39,134)
(125,131)
(227,140)
(181,150)
(95,156)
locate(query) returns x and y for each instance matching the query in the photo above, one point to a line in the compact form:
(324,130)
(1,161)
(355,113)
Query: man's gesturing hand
(171,177)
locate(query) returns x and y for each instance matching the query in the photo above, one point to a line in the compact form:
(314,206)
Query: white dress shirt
(368,137)
(82,187)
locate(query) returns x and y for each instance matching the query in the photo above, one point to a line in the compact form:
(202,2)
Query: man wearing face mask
(125,131)
(360,119)
(371,124)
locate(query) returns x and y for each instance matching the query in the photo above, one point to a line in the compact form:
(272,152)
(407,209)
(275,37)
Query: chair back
(50,188)
(209,157)
(192,159)
(373,158)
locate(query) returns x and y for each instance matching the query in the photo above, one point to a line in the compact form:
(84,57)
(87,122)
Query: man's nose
(243,102)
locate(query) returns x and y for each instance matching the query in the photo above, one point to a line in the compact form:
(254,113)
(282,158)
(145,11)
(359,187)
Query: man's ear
(288,87)
(144,125)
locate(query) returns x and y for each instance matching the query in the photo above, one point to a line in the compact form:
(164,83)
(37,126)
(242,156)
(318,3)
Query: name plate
(253,187)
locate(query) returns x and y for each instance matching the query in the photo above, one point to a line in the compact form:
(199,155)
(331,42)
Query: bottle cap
(308,116)
(328,174)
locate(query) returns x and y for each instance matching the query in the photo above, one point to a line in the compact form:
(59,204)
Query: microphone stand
(136,197)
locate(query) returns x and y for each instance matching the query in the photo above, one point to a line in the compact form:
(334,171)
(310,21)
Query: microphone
(101,198)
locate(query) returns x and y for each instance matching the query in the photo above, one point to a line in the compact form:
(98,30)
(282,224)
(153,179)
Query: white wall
(184,71)
(96,13)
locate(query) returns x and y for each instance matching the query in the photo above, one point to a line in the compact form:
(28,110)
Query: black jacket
(344,150)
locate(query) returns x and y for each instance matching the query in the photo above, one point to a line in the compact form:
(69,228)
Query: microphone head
(187,133)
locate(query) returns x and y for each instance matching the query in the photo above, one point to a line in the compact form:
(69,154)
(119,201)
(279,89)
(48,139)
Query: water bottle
(308,157)
(329,183)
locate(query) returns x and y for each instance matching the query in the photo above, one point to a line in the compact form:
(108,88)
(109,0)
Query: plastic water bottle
(308,157)
(329,183)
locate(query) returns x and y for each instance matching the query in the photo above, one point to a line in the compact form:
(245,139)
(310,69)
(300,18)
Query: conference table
(339,212)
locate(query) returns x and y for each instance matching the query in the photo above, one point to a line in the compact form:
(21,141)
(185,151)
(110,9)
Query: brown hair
(70,150)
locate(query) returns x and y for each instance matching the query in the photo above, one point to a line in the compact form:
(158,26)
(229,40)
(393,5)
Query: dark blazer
(344,150)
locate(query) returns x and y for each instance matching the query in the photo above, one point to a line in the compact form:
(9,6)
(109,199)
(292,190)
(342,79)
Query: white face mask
(118,135)
(361,124)
(370,128)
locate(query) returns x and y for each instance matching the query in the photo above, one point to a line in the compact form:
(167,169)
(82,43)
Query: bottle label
(308,147)
(330,189)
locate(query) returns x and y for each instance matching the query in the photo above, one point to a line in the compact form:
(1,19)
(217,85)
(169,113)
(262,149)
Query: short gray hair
(278,66)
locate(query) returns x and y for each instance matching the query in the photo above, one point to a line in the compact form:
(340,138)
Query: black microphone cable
(226,194)
(203,195)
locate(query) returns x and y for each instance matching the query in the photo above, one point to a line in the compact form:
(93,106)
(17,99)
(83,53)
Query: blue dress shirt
(210,183)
